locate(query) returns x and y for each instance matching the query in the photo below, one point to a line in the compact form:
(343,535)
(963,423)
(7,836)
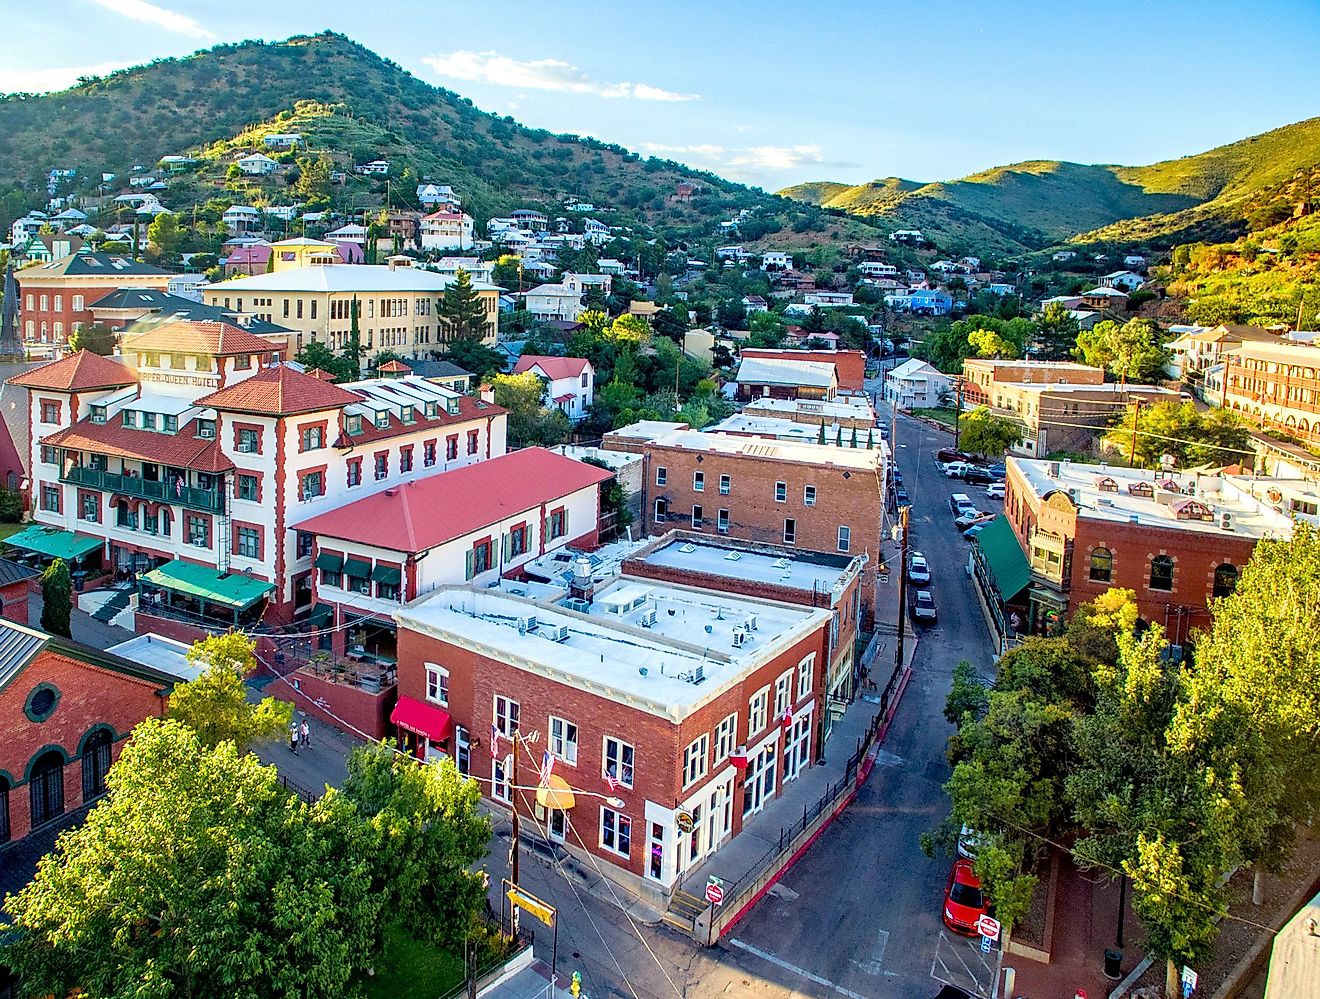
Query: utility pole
(902,608)
(1136,418)
(957,413)
(513,844)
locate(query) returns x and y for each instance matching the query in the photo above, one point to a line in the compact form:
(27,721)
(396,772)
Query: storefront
(1002,576)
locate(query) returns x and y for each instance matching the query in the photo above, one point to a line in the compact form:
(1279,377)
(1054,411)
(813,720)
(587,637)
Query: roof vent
(687,549)
(392,491)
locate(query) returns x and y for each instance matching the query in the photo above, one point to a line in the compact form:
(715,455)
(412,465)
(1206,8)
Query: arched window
(95,763)
(1102,565)
(1161,573)
(46,788)
(1226,577)
(4,810)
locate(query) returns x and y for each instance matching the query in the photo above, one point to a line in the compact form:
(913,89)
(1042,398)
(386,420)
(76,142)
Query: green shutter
(471,554)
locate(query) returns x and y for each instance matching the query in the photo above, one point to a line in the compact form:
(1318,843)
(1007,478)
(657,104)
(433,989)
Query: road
(858,916)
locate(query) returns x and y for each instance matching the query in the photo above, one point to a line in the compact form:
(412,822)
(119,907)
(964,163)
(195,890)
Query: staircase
(223,535)
(108,610)
(684,908)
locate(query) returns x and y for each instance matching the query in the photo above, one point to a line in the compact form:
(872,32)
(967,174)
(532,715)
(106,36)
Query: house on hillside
(554,301)
(240,219)
(1123,280)
(256,165)
(776,260)
(446,230)
(570,382)
(282,140)
(379,168)
(437,196)
(930,301)
(1105,298)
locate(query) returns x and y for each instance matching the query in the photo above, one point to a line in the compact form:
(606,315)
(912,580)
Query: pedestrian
(305,732)
(293,737)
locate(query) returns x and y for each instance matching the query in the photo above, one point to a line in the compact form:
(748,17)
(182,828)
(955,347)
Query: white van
(960,503)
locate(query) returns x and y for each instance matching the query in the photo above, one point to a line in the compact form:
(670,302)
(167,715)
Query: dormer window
(171,424)
(382,419)
(148,421)
(451,406)
(176,361)
(130,418)
(409,415)
(243,362)
(206,429)
(98,414)
(432,410)
(151,360)
(353,424)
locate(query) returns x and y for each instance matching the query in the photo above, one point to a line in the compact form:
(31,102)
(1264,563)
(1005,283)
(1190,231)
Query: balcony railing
(210,500)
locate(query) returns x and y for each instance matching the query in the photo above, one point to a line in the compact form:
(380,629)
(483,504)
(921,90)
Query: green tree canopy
(1214,437)
(988,343)
(96,337)
(982,432)
(215,705)
(1133,351)
(56,598)
(531,423)
(164,236)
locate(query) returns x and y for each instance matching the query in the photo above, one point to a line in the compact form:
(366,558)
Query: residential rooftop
(657,647)
(782,371)
(853,407)
(159,652)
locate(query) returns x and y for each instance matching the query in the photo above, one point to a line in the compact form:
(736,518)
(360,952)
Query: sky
(775,93)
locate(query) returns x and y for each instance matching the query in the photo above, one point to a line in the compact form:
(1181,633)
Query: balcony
(209,500)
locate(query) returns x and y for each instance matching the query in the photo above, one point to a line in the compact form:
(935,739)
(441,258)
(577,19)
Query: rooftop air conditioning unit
(578,604)
(526,624)
(1226,520)
(648,618)
(739,638)
(751,622)
(559,633)
(206,432)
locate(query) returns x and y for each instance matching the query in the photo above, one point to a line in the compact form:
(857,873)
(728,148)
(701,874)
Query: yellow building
(290,254)
(398,305)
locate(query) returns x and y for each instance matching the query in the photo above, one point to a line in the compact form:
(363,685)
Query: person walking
(305,733)
(293,737)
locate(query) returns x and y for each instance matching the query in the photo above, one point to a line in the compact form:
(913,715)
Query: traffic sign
(1189,979)
(988,926)
(715,891)
(986,944)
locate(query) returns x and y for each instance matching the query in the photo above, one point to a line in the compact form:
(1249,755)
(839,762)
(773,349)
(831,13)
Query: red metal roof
(279,391)
(422,718)
(183,450)
(554,367)
(211,337)
(80,372)
(424,514)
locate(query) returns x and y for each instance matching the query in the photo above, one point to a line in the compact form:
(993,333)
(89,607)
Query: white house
(1135,261)
(1063,255)
(776,260)
(478,269)
(350,233)
(282,140)
(1122,280)
(582,282)
(877,268)
(597,232)
(608,265)
(906,236)
(256,164)
(446,230)
(570,382)
(380,168)
(187,286)
(916,385)
(555,301)
(828,299)
(437,195)
(241,218)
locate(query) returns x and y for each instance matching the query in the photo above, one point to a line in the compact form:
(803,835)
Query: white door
(558,825)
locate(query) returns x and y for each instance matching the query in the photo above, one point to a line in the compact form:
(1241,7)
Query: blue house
(930,302)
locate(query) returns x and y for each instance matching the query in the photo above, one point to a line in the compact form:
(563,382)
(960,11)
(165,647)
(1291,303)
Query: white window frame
(809,495)
(696,759)
(698,481)
(498,783)
(784,693)
(437,684)
(806,673)
(607,757)
(656,516)
(725,734)
(697,516)
(563,741)
(726,484)
(661,475)
(619,821)
(506,720)
(758,706)
(790,537)
(722,522)
(781,492)
(845,538)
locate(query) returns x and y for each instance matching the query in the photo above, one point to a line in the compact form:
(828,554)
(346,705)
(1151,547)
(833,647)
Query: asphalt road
(859,915)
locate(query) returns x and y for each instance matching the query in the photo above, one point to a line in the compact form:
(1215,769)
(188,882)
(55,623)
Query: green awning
(1004,556)
(329,562)
(358,567)
(386,574)
(235,590)
(321,615)
(52,542)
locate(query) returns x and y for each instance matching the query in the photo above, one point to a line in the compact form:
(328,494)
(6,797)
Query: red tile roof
(279,391)
(555,368)
(469,409)
(421,515)
(183,450)
(395,366)
(80,372)
(218,339)
(319,374)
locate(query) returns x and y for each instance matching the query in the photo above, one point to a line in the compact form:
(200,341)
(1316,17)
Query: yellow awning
(558,795)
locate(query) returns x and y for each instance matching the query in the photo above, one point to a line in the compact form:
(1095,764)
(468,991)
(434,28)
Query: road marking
(884,758)
(876,964)
(781,890)
(803,972)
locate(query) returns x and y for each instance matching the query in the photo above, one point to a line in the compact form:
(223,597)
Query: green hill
(1031,205)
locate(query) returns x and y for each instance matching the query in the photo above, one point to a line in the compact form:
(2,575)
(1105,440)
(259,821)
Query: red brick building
(17,582)
(65,712)
(56,298)
(809,497)
(691,709)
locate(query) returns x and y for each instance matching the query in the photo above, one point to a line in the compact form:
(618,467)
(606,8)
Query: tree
(1133,351)
(164,237)
(1056,334)
(56,598)
(215,705)
(530,421)
(988,343)
(506,272)
(315,355)
(96,337)
(474,356)
(200,875)
(982,432)
(967,697)
(1213,437)
(629,329)
(461,311)
(314,177)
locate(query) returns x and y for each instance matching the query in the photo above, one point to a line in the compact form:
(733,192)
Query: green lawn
(409,967)
(943,414)
(7,529)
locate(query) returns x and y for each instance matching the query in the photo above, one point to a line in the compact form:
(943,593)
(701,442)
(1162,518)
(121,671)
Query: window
(148,421)
(473,438)
(405,459)
(781,492)
(78,303)
(313,438)
(1161,573)
(722,522)
(249,441)
(506,716)
(756,711)
(90,507)
(564,740)
(809,495)
(124,517)
(661,510)
(46,788)
(1226,577)
(332,577)
(4,810)
(661,475)
(387,591)
(437,684)
(303,545)
(243,362)
(1102,565)
(806,669)
(784,693)
(382,419)
(170,424)
(177,360)
(49,455)
(95,764)
(618,761)
(50,412)
(696,518)
(249,542)
(699,482)
(725,732)
(696,759)
(478,559)
(247,488)
(312,485)
(206,429)
(353,424)
(428,454)
(725,484)
(59,303)
(558,523)
(845,538)
(501,787)
(790,530)
(517,543)
(382,465)
(50,498)
(128,418)
(615,831)
(98,414)
(451,447)
(198,530)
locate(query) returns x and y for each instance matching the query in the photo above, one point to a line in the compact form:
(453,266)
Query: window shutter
(470,556)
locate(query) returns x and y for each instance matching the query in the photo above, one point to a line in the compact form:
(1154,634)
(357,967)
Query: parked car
(923,607)
(971,517)
(977,476)
(948,454)
(918,568)
(897,476)
(995,491)
(975,529)
(998,471)
(960,503)
(969,842)
(956,469)
(964,901)
(901,495)
(952,992)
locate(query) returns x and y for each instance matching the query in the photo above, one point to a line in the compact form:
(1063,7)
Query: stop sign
(714,892)
(988,926)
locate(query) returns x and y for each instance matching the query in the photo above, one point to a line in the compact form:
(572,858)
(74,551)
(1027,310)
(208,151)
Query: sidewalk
(324,762)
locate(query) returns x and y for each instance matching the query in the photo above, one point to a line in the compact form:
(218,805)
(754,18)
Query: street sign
(986,944)
(988,926)
(715,891)
(684,821)
(543,911)
(1189,979)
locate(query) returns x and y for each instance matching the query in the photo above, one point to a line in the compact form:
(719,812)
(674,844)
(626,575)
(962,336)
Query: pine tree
(56,598)
(461,311)
(352,353)
(838,436)
(821,438)
(854,437)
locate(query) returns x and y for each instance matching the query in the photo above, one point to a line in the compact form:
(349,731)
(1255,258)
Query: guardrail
(211,500)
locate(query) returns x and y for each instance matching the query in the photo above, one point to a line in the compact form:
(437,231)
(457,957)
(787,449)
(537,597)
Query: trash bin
(79,580)
(1114,964)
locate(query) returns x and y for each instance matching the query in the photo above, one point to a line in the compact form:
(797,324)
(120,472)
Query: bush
(11,506)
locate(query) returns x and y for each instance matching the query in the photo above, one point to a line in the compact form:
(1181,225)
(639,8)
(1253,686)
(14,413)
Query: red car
(964,902)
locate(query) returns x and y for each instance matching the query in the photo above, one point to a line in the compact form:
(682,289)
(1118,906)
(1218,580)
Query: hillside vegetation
(1032,205)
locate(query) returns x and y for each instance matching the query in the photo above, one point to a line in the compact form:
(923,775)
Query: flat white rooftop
(855,407)
(159,652)
(811,572)
(616,460)
(668,666)
(816,454)
(789,430)
(647,430)
(1110,388)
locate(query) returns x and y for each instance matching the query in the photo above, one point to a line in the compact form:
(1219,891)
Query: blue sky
(773,93)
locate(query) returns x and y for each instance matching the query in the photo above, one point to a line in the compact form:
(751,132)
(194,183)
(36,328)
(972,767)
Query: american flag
(611,780)
(547,765)
(494,742)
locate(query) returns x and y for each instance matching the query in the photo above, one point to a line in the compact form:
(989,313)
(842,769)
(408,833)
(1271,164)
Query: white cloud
(149,13)
(40,81)
(709,152)
(776,158)
(539,74)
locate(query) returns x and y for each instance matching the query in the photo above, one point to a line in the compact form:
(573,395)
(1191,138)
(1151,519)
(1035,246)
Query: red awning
(422,718)
(564,398)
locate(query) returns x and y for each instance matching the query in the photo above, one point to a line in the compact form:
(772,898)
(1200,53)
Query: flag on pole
(611,780)
(547,765)
(494,742)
